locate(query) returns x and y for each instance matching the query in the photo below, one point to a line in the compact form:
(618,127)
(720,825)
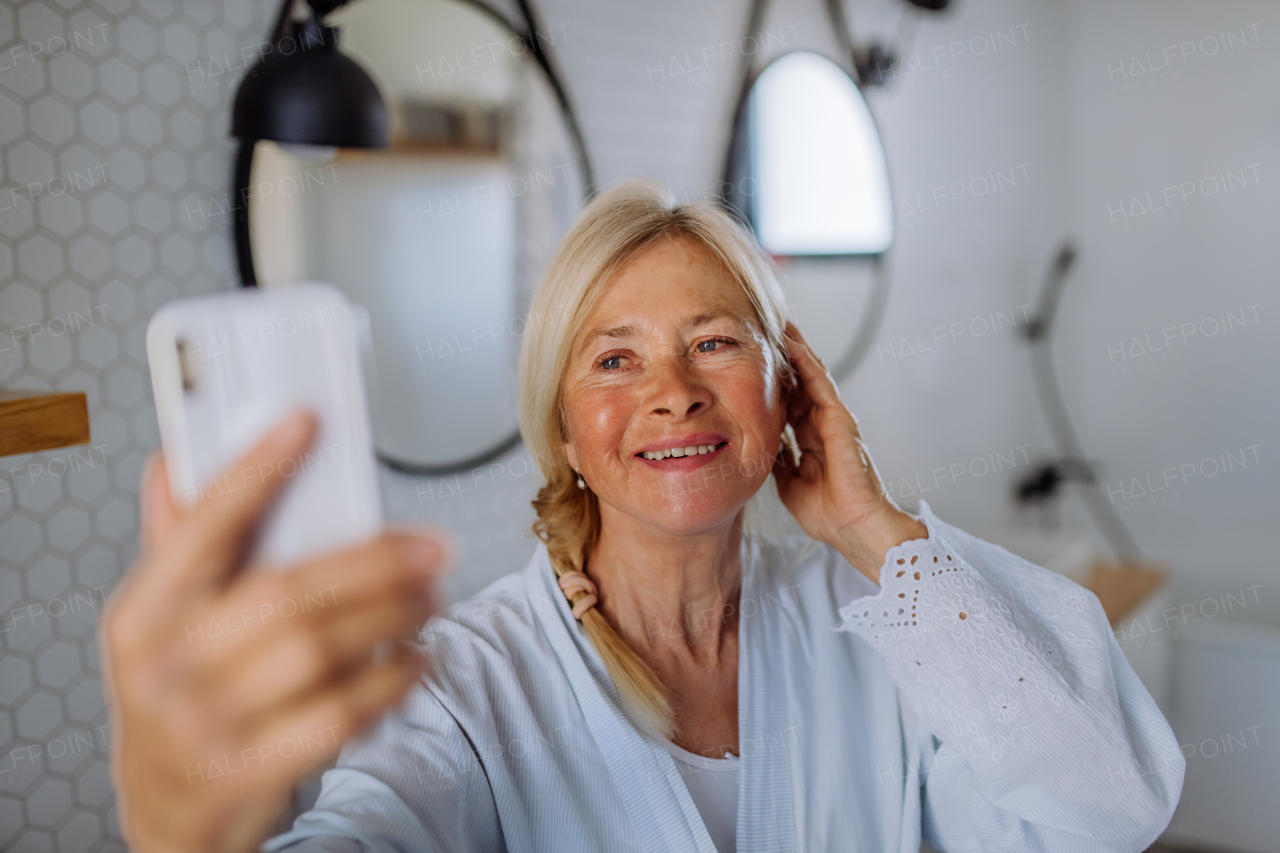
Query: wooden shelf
(42,420)
(411,148)
(1122,587)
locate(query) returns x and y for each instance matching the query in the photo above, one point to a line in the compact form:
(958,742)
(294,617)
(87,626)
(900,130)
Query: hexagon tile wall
(114,181)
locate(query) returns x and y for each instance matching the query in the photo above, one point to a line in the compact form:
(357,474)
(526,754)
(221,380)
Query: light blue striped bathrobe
(973,702)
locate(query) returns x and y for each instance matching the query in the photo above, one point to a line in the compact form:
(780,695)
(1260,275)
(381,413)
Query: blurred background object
(955,148)
(31,421)
(441,235)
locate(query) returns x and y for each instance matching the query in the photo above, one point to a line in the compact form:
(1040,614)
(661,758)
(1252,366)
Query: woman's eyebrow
(618,332)
(744,323)
(610,332)
(706,317)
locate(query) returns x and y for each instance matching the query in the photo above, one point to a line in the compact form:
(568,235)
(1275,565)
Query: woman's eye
(612,362)
(711,345)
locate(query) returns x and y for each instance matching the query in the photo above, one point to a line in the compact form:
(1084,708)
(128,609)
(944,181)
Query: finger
(814,378)
(404,565)
(207,546)
(127,617)
(795,331)
(158,520)
(313,731)
(265,676)
(158,513)
(835,415)
(407,562)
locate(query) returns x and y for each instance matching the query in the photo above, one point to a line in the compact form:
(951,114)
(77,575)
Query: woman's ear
(790,380)
(571,455)
(786,391)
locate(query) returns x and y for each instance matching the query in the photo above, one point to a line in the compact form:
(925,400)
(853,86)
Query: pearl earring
(582,484)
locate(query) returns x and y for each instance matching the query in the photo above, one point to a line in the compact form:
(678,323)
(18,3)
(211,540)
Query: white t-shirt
(713,785)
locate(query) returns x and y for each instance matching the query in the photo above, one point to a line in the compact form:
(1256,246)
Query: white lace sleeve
(1036,733)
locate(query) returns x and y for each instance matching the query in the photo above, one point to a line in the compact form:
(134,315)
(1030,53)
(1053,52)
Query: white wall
(1173,189)
(1190,262)
(1017,96)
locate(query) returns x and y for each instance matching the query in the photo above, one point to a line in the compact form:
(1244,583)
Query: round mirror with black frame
(806,171)
(440,235)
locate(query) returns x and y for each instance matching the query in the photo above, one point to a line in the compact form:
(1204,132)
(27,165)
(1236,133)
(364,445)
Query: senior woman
(659,677)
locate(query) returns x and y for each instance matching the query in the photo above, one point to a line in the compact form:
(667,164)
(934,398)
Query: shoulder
(496,622)
(486,649)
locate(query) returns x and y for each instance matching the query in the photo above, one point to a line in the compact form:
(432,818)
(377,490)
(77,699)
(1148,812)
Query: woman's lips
(684,461)
(702,438)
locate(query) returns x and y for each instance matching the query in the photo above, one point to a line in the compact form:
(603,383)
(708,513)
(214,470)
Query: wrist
(866,543)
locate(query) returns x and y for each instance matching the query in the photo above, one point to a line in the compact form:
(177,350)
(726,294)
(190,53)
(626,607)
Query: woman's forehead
(637,318)
(672,284)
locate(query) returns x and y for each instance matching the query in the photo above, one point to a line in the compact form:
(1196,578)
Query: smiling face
(672,358)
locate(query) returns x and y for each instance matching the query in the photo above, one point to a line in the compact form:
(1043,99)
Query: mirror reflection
(440,236)
(814,160)
(807,171)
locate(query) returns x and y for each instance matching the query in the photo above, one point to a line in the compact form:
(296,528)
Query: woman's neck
(668,595)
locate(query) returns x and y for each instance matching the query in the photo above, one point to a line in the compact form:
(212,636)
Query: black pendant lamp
(302,92)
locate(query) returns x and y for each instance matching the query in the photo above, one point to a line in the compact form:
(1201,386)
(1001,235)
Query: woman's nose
(675,391)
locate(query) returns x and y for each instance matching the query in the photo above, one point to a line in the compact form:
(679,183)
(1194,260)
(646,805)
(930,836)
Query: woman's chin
(682,503)
(694,515)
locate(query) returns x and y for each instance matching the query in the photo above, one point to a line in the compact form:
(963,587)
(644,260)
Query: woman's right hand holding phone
(226,684)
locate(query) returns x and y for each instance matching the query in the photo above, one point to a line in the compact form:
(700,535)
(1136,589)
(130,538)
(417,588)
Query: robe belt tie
(575,582)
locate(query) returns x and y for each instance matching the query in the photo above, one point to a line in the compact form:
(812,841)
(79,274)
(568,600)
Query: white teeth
(679,452)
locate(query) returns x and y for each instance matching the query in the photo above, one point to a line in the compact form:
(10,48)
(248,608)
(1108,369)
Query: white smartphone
(225,368)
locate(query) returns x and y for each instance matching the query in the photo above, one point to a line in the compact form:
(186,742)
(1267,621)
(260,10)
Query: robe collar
(655,795)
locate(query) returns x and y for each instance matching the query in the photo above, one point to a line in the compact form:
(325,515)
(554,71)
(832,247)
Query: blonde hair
(613,229)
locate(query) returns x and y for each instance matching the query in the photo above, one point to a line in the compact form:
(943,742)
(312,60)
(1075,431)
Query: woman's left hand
(835,493)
